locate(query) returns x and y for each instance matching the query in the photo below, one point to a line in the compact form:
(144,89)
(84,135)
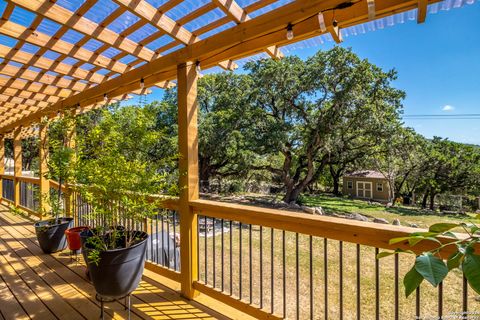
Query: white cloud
(448,108)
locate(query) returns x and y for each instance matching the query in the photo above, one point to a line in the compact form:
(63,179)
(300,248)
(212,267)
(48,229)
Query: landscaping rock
(381,220)
(413,225)
(389,205)
(396,222)
(358,217)
(310,210)
(319,211)
(293,205)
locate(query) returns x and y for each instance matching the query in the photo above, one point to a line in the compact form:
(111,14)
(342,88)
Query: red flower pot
(73,238)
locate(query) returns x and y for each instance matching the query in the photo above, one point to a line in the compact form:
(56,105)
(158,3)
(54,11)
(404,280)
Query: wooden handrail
(33,180)
(364,233)
(8,176)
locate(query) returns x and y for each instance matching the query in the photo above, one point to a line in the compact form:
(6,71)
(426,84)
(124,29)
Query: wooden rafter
(34,84)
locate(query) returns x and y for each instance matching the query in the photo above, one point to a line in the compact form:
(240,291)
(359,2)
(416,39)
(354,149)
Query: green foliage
(61,159)
(116,175)
(431,267)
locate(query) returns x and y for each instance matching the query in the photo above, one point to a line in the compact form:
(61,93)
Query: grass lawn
(251,266)
(406,215)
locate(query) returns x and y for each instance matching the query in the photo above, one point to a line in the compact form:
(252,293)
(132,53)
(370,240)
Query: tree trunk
(424,200)
(336,179)
(432,201)
(292,194)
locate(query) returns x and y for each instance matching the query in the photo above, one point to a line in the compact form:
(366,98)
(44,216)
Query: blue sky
(438,66)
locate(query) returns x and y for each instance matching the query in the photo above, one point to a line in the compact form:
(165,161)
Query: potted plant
(61,164)
(116,182)
(432,266)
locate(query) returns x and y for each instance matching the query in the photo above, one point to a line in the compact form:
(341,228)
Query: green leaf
(442,227)
(450,234)
(384,254)
(397,240)
(432,268)
(455,260)
(414,240)
(471,269)
(411,281)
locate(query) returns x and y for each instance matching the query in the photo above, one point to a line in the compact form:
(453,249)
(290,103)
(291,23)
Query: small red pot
(73,238)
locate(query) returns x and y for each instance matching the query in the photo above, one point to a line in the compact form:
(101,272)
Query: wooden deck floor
(34,285)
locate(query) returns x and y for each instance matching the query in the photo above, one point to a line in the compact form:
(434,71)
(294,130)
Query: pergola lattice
(77,54)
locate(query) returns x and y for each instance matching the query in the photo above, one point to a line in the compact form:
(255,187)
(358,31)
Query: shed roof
(365,174)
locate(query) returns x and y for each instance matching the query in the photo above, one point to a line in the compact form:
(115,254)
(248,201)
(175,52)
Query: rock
(396,222)
(389,205)
(293,205)
(358,217)
(319,211)
(413,225)
(310,210)
(381,220)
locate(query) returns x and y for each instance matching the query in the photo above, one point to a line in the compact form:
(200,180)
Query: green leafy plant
(116,178)
(430,266)
(61,160)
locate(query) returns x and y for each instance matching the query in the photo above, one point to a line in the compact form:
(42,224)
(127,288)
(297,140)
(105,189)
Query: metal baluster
(284,275)
(240,261)
(325,273)
(297,277)
(205,250)
(164,263)
(230,252)
(358,282)
(340,271)
(174,213)
(272,282)
(156,232)
(397,311)
(465,298)
(417,303)
(440,300)
(377,286)
(261,267)
(168,240)
(250,261)
(213,245)
(310,250)
(223,258)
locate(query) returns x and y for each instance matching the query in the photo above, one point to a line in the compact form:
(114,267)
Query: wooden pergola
(72,56)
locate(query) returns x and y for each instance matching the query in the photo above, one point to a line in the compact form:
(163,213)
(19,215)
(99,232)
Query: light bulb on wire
(198,69)
(105,98)
(290,32)
(142,84)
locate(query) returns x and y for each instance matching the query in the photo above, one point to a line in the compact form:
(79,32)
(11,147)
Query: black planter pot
(51,234)
(119,271)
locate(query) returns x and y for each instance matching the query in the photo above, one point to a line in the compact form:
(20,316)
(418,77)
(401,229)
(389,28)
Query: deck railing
(278,264)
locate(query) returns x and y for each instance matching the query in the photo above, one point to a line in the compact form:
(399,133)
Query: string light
(321,22)
(289,32)
(335,23)
(198,69)
(105,97)
(142,83)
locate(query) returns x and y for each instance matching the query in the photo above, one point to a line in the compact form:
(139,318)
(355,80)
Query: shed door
(364,189)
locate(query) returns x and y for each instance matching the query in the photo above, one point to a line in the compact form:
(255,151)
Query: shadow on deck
(40,286)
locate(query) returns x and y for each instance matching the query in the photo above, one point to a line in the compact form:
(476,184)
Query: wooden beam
(237,14)
(17,163)
(371,9)
(243,40)
(37,38)
(147,12)
(44,184)
(2,164)
(422,11)
(335,33)
(188,168)
(83,25)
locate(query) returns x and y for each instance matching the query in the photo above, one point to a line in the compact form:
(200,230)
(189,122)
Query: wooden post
(2,164)
(71,143)
(17,165)
(43,169)
(188,165)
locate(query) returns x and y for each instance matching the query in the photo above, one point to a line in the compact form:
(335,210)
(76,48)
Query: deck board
(40,286)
